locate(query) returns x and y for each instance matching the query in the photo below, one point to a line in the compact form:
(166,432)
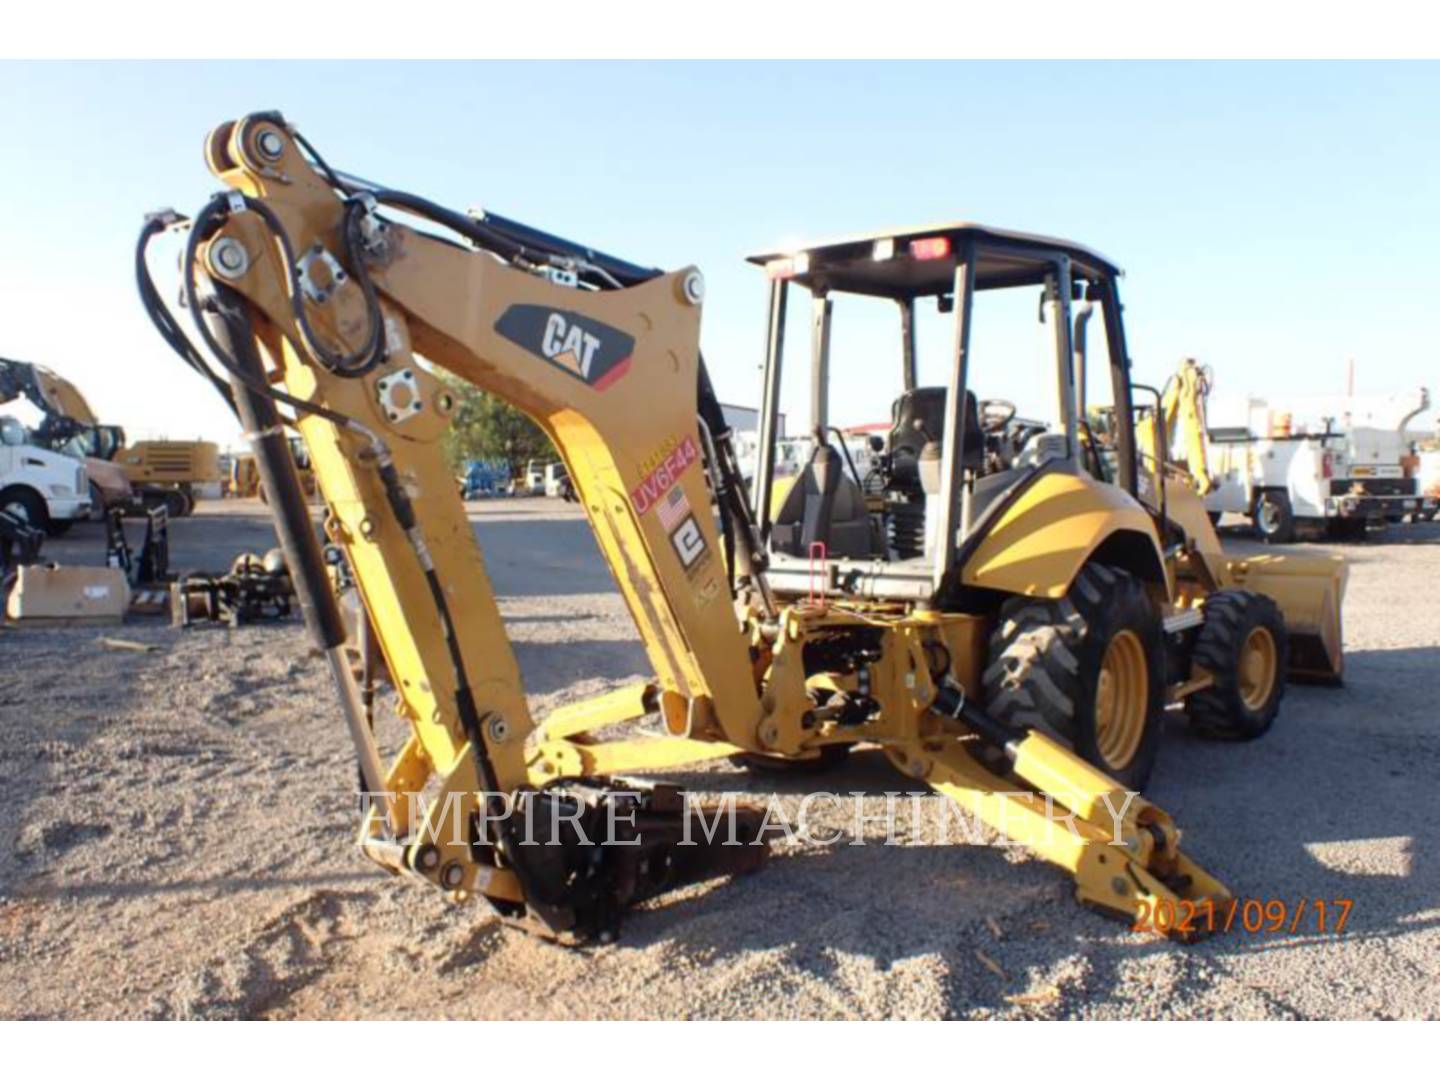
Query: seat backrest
(927,405)
(825,505)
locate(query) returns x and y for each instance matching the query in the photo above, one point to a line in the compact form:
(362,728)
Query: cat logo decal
(596,354)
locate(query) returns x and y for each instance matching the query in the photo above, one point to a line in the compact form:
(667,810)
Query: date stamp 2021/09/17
(1252,916)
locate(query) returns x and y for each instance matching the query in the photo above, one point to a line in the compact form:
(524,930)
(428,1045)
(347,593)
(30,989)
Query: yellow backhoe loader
(1009,628)
(1309,589)
(1181,410)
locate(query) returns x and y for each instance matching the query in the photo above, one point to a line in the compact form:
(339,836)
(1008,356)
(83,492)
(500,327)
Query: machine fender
(1059,522)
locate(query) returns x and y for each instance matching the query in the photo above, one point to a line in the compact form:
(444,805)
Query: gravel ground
(178,842)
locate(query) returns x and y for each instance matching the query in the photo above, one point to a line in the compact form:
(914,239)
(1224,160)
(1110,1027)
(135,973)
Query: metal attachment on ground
(148,573)
(254,590)
(20,545)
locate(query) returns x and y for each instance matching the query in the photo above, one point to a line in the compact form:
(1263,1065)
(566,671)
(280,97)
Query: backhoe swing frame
(611,374)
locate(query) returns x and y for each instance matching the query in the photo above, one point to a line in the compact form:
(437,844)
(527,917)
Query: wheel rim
(1269,517)
(19,510)
(1258,668)
(1122,700)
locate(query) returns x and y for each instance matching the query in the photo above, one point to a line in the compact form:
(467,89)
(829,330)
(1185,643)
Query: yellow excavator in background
(1009,629)
(67,426)
(156,472)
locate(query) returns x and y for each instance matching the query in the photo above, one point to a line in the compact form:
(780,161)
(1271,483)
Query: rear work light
(781,269)
(931,247)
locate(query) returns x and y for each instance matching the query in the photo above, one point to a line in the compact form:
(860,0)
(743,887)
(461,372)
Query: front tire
(177,504)
(26,505)
(1245,646)
(1274,518)
(1088,667)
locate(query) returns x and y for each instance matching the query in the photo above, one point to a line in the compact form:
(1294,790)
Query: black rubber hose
(357,363)
(164,322)
(253,381)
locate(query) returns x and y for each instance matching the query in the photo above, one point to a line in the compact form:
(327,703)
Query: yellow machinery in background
(68,426)
(244,480)
(170,471)
(1180,413)
(139,475)
(1018,661)
(1309,589)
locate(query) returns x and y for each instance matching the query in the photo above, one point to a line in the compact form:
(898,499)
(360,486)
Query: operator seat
(826,506)
(917,436)
(918,419)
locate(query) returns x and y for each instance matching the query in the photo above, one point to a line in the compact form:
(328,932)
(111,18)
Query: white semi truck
(42,488)
(1339,464)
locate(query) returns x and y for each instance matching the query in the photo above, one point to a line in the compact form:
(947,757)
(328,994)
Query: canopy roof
(906,263)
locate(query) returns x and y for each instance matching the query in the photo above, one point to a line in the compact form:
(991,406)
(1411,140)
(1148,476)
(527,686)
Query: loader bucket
(1309,590)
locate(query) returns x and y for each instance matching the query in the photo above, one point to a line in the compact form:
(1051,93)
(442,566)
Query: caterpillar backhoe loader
(1181,410)
(1010,635)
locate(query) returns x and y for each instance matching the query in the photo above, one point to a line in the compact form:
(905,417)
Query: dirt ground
(178,839)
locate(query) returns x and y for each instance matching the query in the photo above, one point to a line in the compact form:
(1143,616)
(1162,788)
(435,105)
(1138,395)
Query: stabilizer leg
(1123,851)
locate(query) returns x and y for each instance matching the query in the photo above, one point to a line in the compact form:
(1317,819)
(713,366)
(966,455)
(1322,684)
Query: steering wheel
(995,413)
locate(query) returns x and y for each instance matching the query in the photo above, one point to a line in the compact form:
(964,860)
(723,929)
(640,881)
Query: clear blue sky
(1272,219)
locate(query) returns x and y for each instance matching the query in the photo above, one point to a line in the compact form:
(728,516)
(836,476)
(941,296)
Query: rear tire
(1274,519)
(176,503)
(1245,646)
(1088,667)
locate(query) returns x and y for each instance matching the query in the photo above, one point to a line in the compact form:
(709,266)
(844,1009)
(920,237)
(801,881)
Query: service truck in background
(39,487)
(1334,464)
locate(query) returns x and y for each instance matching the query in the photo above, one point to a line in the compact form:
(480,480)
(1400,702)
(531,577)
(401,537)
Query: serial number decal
(662,475)
(593,352)
(1243,916)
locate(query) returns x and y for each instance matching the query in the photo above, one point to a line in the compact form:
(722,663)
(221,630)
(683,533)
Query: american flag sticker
(672,508)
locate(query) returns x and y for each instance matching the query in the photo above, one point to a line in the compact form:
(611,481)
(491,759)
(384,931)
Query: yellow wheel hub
(1259,667)
(1122,700)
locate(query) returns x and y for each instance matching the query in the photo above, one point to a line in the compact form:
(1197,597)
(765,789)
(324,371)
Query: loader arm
(312,300)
